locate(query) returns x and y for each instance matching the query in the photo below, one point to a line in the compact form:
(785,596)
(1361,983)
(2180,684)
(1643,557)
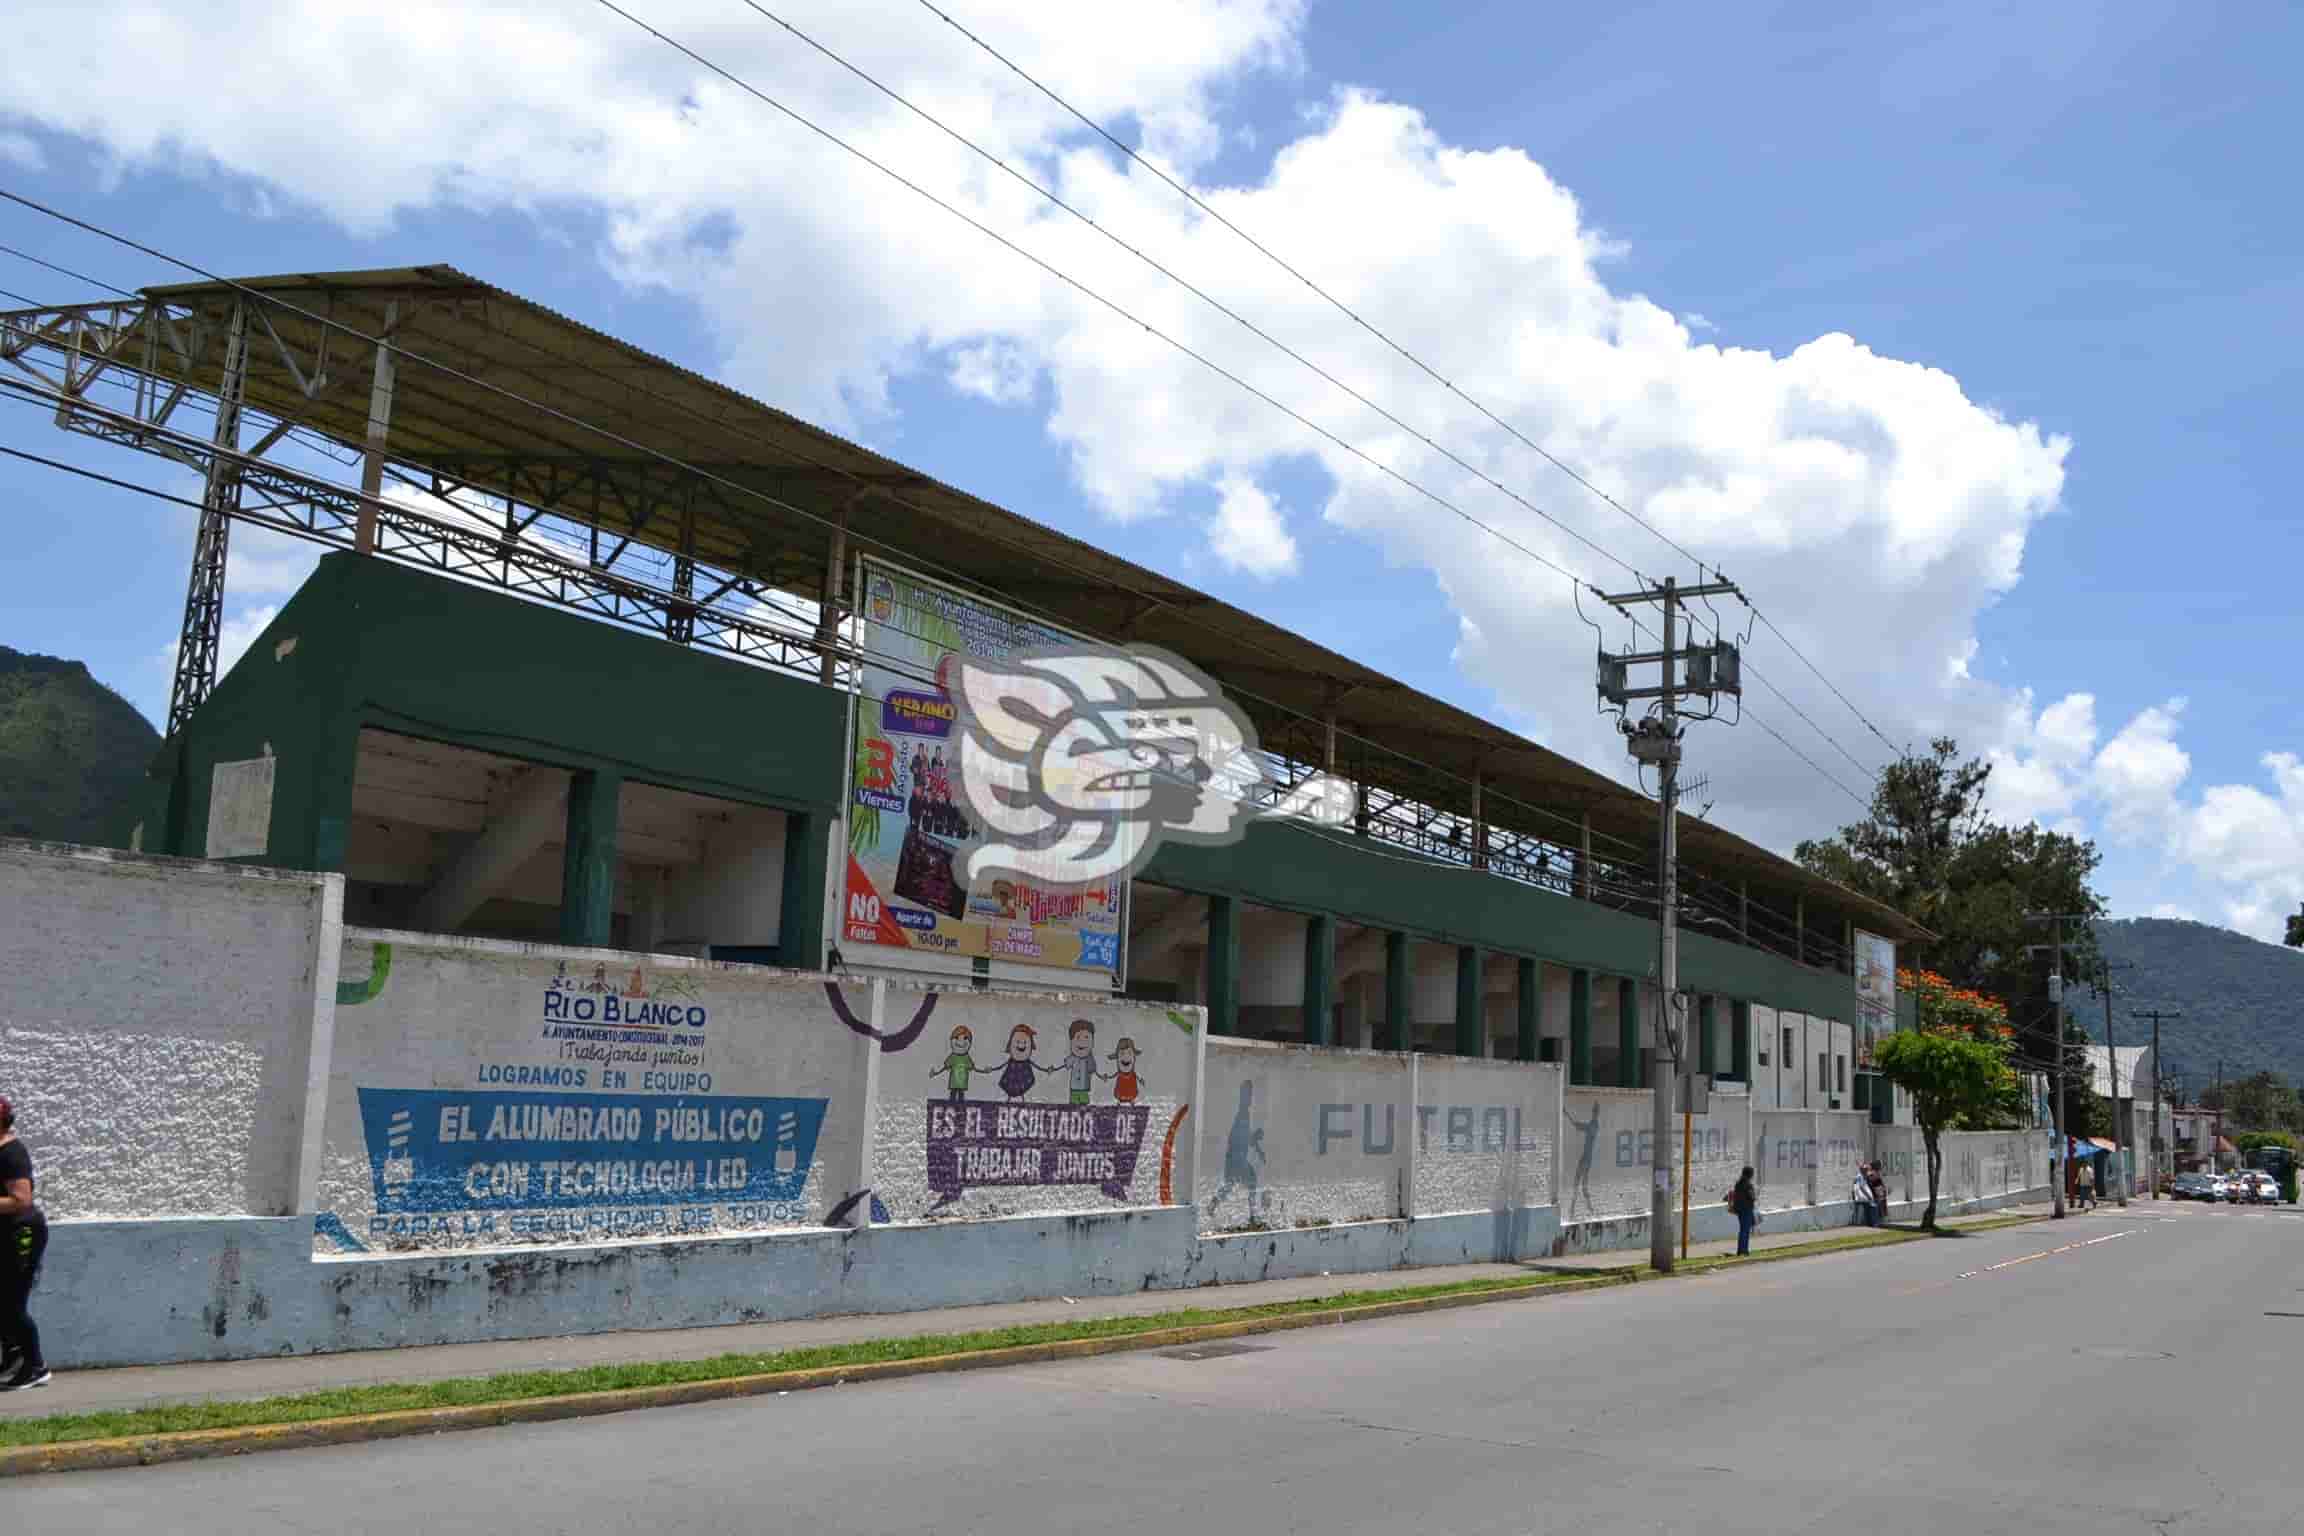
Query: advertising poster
(1875,993)
(1004,1105)
(909,838)
(486,1094)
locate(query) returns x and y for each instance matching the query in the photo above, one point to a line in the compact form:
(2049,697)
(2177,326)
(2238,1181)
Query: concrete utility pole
(2104,970)
(1713,670)
(2056,922)
(2156,1015)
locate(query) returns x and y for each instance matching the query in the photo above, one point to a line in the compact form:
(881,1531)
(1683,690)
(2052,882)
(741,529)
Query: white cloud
(1247,531)
(261,563)
(239,632)
(2172,909)
(2138,772)
(998,371)
(18,150)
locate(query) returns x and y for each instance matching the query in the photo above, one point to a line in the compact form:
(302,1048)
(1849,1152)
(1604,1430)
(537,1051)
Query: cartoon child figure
(1082,1060)
(959,1064)
(1124,1083)
(1017,1078)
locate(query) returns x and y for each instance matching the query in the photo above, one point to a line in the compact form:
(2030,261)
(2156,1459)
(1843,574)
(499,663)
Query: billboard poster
(1875,993)
(909,835)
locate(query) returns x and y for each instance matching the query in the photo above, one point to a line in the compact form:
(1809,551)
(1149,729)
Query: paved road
(2131,1382)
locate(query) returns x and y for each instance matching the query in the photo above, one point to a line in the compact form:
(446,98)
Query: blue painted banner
(481,1150)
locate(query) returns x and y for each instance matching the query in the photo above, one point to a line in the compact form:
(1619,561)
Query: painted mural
(1013,1105)
(486,1094)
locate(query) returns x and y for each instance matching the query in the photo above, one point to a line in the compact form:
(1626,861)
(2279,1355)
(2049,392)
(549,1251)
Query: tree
(1952,1077)
(2295,939)
(1928,848)
(2261,1101)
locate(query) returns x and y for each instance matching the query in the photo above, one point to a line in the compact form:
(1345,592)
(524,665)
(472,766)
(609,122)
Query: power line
(1185,283)
(1078,286)
(78,277)
(1379,334)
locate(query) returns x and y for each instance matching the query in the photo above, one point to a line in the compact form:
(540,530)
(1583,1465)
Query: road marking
(2045,1253)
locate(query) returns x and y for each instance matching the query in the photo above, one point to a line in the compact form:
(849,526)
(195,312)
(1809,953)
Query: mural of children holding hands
(957,1066)
(1124,1083)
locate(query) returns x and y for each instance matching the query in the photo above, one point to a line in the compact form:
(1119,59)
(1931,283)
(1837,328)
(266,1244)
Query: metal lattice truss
(106,372)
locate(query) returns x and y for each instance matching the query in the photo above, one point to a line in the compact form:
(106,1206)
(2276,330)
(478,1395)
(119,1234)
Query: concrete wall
(1487,1135)
(156,1028)
(1297,1135)
(1608,1170)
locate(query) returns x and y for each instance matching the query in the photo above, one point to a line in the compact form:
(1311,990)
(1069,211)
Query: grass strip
(516,1386)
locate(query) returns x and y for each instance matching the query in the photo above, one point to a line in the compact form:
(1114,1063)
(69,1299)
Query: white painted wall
(1486,1135)
(1608,1170)
(416,1157)
(1297,1135)
(996,1154)
(156,1027)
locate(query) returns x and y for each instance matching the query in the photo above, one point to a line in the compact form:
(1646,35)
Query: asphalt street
(2114,1372)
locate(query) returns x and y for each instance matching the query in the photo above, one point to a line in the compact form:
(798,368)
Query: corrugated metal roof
(600,401)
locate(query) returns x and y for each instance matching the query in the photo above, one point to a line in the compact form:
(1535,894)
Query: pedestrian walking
(1744,1200)
(2087,1181)
(1860,1199)
(23,1240)
(1879,1182)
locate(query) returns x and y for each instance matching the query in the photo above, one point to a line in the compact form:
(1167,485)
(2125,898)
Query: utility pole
(2104,970)
(1712,671)
(2056,922)
(2156,1015)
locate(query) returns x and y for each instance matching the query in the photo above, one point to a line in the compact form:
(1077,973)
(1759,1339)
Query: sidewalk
(1763,1240)
(151,1386)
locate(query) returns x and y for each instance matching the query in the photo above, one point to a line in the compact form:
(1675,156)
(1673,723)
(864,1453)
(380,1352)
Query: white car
(2253,1187)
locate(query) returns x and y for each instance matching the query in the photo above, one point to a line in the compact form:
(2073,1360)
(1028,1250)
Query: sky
(1963,336)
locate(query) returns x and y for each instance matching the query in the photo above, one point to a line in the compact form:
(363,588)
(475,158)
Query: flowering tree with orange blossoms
(1955,1065)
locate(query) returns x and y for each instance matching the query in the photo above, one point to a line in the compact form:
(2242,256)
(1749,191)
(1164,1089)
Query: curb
(204,1444)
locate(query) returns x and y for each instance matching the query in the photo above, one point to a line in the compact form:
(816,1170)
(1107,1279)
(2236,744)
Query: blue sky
(2058,237)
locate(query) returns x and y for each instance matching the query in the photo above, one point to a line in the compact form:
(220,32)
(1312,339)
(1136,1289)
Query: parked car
(2255,1188)
(2193,1186)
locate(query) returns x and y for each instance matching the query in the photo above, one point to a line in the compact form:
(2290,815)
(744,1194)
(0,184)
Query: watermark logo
(1079,761)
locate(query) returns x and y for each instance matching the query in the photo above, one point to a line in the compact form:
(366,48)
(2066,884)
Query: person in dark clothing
(23,1240)
(1879,1182)
(1744,1200)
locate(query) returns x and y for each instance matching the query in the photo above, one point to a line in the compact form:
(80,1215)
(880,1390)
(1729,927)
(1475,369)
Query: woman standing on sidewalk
(1744,1200)
(23,1239)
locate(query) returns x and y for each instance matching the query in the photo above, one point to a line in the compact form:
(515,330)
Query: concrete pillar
(1704,1036)
(588,879)
(1525,984)
(1471,1003)
(1628,1034)
(1580,1026)
(1319,979)
(808,851)
(1398,1035)
(1740,1040)
(1223,966)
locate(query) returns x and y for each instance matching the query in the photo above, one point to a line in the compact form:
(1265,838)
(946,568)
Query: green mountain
(2242,999)
(71,751)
